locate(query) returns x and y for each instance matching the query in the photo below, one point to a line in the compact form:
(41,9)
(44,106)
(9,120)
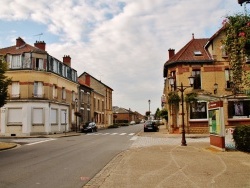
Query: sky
(123,43)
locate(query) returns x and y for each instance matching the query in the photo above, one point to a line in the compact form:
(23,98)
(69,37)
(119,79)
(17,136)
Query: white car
(132,123)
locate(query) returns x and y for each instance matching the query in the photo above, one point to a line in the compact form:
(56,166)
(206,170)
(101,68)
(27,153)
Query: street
(62,162)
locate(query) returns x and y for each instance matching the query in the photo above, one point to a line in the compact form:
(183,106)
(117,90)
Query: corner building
(42,94)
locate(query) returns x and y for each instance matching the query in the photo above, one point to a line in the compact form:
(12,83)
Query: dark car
(150,126)
(89,127)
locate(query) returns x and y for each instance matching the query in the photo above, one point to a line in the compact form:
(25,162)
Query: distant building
(126,115)
(101,100)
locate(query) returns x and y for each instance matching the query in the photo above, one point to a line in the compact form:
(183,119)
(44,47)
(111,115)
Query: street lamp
(75,112)
(182,88)
(149,108)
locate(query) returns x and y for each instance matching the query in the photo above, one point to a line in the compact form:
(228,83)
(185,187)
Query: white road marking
(134,138)
(114,133)
(40,142)
(131,134)
(123,134)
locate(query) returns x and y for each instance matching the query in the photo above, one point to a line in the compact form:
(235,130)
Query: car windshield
(91,124)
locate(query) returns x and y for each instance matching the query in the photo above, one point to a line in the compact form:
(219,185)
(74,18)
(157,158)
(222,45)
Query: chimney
(67,60)
(87,80)
(171,53)
(19,42)
(40,44)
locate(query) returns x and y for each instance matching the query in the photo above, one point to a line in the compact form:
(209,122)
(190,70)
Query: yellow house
(42,94)
(204,59)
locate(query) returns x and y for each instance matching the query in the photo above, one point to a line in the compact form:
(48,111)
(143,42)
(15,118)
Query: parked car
(132,123)
(89,127)
(150,126)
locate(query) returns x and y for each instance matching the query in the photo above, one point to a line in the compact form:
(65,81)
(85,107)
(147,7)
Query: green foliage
(157,113)
(113,126)
(164,114)
(173,98)
(241,136)
(237,47)
(190,97)
(4,82)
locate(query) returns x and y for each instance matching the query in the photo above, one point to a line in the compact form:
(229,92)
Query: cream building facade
(42,94)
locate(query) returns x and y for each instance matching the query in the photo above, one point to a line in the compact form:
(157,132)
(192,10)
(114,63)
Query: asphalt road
(68,162)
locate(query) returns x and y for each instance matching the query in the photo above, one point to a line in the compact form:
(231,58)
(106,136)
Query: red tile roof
(186,54)
(24,48)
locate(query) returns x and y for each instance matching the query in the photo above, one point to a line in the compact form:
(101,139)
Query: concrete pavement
(158,160)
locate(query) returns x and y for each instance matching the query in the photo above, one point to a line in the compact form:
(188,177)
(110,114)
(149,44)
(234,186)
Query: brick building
(206,60)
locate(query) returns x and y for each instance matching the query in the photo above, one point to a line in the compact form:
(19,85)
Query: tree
(164,114)
(237,47)
(147,113)
(157,113)
(4,82)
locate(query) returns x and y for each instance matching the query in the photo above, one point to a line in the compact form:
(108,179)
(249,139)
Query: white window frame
(16,61)
(15,89)
(38,89)
(63,93)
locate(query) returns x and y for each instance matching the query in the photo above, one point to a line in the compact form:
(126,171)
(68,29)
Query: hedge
(241,136)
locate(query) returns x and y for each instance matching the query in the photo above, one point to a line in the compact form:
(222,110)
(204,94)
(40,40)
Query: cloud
(123,43)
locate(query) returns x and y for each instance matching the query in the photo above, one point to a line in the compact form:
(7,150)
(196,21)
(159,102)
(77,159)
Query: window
(39,64)
(88,97)
(228,78)
(54,91)
(55,66)
(15,90)
(16,61)
(54,116)
(38,116)
(197,53)
(198,110)
(223,51)
(197,79)
(73,96)
(239,109)
(63,93)
(38,89)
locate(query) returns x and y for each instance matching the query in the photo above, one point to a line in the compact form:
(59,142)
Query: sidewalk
(171,165)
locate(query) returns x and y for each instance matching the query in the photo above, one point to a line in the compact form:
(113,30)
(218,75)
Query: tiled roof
(22,49)
(187,53)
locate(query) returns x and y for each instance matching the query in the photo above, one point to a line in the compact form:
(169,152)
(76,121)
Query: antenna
(40,34)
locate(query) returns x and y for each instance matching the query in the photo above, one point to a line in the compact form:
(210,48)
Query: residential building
(124,115)
(85,96)
(206,60)
(101,101)
(42,93)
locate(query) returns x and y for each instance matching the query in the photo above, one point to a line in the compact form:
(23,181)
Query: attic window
(197,53)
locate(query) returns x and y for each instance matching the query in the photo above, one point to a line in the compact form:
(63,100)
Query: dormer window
(197,53)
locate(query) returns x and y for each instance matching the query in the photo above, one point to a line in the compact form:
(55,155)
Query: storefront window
(238,109)
(198,110)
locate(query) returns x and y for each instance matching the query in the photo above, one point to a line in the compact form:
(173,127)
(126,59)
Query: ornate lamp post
(76,100)
(149,107)
(182,88)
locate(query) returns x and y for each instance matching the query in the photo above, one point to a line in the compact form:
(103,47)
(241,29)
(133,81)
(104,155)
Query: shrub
(113,126)
(241,136)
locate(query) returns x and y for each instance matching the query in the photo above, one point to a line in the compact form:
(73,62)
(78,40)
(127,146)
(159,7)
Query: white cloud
(123,43)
